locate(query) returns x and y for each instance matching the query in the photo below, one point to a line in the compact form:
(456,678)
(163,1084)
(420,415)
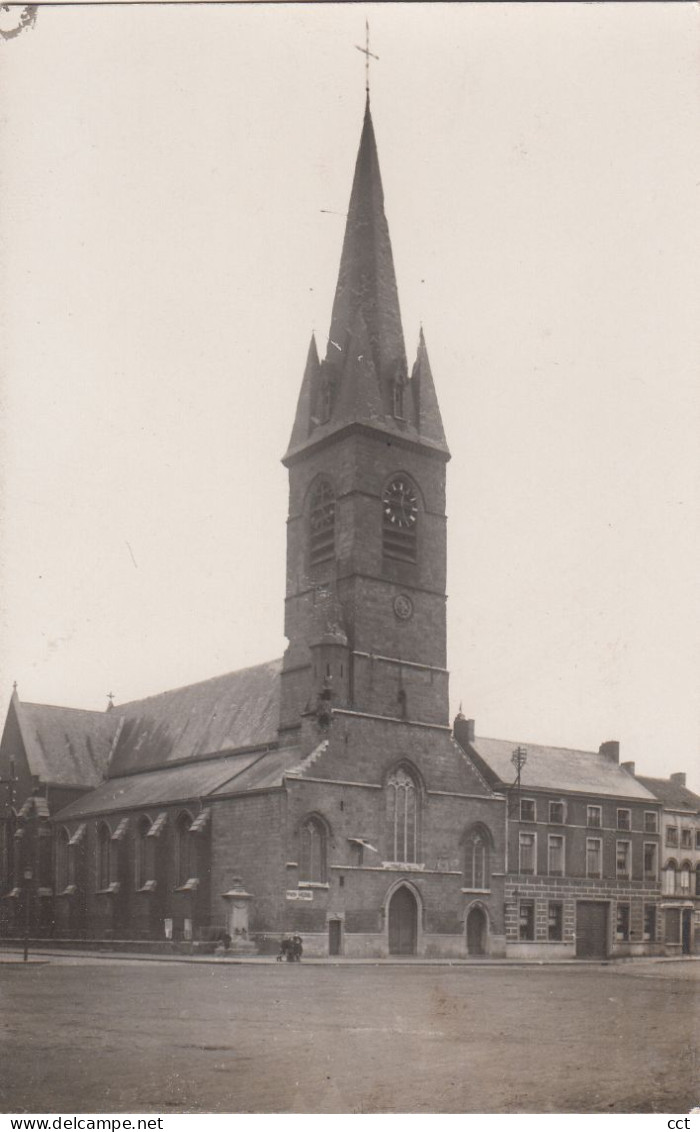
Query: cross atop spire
(368,55)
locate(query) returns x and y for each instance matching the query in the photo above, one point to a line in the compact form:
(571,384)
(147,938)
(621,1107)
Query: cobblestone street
(82,1035)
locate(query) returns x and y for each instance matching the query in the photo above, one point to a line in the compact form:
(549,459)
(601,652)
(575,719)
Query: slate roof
(201,779)
(66,746)
(266,772)
(559,768)
(672,794)
(226,713)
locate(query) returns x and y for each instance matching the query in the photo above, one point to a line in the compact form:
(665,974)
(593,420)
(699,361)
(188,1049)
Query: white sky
(165,258)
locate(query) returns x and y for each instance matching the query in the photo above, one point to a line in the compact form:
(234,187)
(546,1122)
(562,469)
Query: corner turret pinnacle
(426,404)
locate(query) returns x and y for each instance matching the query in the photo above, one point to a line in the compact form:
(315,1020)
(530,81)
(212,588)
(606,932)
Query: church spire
(364,378)
(366,280)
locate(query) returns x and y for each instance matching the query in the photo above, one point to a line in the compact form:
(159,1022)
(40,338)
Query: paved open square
(117,1035)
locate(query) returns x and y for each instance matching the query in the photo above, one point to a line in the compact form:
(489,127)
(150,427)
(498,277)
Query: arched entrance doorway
(403,922)
(477,927)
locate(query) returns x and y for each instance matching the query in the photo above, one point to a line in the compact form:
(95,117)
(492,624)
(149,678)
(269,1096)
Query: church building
(322,794)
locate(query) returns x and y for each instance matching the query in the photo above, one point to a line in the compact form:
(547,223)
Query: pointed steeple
(359,395)
(425,398)
(366,280)
(363,379)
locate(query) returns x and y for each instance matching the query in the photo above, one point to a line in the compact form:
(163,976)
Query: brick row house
(680,862)
(326,793)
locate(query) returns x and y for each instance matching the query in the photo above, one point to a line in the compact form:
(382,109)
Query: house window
(402,812)
(527,846)
(183,850)
(622,924)
(650,922)
(594,854)
(555,921)
(650,860)
(555,855)
(623,859)
(62,852)
(104,842)
(527,809)
(684,877)
(651,821)
(669,878)
(400,519)
(526,919)
(686,838)
(322,523)
(672,836)
(673,925)
(624,819)
(697,880)
(594,817)
(556,813)
(697,838)
(312,852)
(143,854)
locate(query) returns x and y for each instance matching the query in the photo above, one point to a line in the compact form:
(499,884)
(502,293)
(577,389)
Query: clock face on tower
(400,503)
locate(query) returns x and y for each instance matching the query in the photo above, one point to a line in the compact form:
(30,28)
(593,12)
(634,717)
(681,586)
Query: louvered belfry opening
(322,523)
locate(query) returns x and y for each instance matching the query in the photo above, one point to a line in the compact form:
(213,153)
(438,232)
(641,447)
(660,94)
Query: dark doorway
(403,923)
(476,932)
(686,930)
(591,930)
(334,937)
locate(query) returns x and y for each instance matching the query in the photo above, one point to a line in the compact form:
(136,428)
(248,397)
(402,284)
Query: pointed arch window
(403,816)
(144,854)
(400,519)
(322,523)
(398,398)
(312,851)
(62,868)
(183,849)
(104,846)
(477,859)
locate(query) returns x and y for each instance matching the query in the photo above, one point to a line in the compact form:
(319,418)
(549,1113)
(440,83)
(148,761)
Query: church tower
(366,545)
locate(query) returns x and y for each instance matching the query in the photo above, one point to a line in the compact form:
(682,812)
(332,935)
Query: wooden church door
(476,932)
(403,923)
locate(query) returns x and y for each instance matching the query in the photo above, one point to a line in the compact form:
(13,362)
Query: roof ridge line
(549,746)
(194,684)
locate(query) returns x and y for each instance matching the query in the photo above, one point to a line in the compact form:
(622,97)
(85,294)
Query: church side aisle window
(322,523)
(104,845)
(183,849)
(62,850)
(402,813)
(312,852)
(400,519)
(143,858)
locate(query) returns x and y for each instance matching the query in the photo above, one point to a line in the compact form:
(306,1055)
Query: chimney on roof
(629,767)
(678,778)
(464,730)
(611,750)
